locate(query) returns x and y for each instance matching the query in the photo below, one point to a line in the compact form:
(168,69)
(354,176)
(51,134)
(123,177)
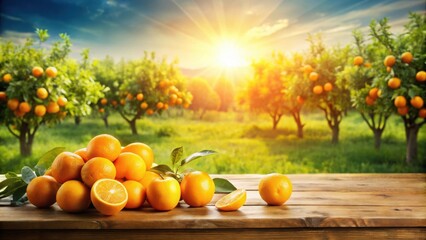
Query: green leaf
(19,193)
(161,169)
(10,175)
(46,160)
(222,185)
(11,188)
(176,155)
(9,181)
(196,155)
(27,174)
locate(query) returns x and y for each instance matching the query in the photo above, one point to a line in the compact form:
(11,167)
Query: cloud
(267,29)
(345,28)
(11,17)
(17,37)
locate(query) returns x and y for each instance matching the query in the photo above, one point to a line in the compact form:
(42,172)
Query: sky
(200,33)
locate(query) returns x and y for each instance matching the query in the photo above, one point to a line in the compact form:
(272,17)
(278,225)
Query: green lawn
(245,142)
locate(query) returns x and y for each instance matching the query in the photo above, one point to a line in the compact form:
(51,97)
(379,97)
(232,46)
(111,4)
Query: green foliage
(204,97)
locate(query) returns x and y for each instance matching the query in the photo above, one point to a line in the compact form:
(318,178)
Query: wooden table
(323,206)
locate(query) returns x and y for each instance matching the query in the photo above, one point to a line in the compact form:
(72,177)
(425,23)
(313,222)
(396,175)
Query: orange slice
(233,201)
(109,196)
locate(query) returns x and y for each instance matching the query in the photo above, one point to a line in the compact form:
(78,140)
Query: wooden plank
(225,234)
(29,217)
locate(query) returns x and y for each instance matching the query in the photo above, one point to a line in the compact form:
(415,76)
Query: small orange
(67,166)
(104,145)
(73,196)
(3,96)
(389,61)
(139,97)
(388,69)
(7,78)
(369,100)
(97,168)
(52,107)
(317,89)
(400,101)
(179,101)
(104,101)
(358,61)
(62,101)
(114,103)
(160,105)
(197,189)
(37,72)
(300,100)
(163,193)
(144,105)
(13,104)
(313,76)
(136,194)
(407,57)
(51,72)
(82,152)
(143,150)
(172,98)
(367,65)
(41,191)
(417,102)
(149,111)
(374,93)
(328,87)
(422,113)
(109,196)
(19,113)
(129,97)
(101,110)
(148,177)
(42,93)
(275,189)
(166,106)
(162,84)
(24,107)
(232,201)
(421,76)
(40,110)
(308,69)
(403,111)
(394,83)
(122,102)
(130,166)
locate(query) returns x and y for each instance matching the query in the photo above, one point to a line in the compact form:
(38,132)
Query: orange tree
(366,74)
(204,97)
(404,87)
(329,86)
(35,89)
(149,86)
(225,90)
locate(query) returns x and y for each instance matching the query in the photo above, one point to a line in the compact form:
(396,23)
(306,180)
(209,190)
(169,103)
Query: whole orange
(130,166)
(163,193)
(40,110)
(417,102)
(136,194)
(51,72)
(313,76)
(374,93)
(67,166)
(328,87)
(82,152)
(369,100)
(143,150)
(275,189)
(422,113)
(197,189)
(73,196)
(42,93)
(105,146)
(421,76)
(13,104)
(148,177)
(139,97)
(394,83)
(400,101)
(41,191)
(97,168)
(24,107)
(407,57)
(389,61)
(358,60)
(62,101)
(7,77)
(52,107)
(37,71)
(403,110)
(317,89)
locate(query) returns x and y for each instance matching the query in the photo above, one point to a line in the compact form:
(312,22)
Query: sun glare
(229,54)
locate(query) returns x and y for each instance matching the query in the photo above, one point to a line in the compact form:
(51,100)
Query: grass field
(245,143)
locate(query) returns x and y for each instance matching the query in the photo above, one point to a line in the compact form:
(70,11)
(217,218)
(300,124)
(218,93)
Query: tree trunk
(298,121)
(412,132)
(77,120)
(105,119)
(335,134)
(377,138)
(202,113)
(26,139)
(133,127)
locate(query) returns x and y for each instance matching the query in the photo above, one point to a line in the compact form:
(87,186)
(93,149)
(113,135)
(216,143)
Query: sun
(230,54)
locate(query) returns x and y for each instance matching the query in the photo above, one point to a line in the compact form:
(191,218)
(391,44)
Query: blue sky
(192,29)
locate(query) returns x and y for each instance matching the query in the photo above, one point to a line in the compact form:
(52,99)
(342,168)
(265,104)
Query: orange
(101,110)
(24,107)
(160,105)
(300,100)
(109,196)
(389,61)
(105,146)
(308,69)
(197,189)
(422,113)
(42,93)
(114,103)
(41,191)
(421,76)
(82,152)
(407,57)
(275,189)
(162,84)
(104,101)
(400,101)
(144,105)
(313,76)
(367,65)
(40,110)
(149,111)
(67,166)
(123,102)
(143,150)
(394,83)
(358,60)
(130,166)
(317,89)
(369,100)
(172,98)
(136,194)
(62,101)
(129,96)
(388,69)
(19,113)
(179,101)
(37,72)
(148,177)
(51,72)
(52,107)
(232,201)
(97,168)
(185,105)
(13,104)
(73,196)
(328,87)
(374,93)
(139,97)
(166,106)
(7,78)
(403,111)
(163,193)
(3,96)
(417,102)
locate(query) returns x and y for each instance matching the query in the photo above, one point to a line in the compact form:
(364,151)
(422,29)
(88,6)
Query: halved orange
(109,196)
(233,201)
